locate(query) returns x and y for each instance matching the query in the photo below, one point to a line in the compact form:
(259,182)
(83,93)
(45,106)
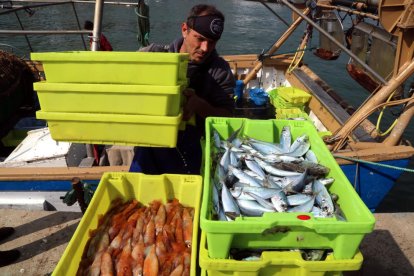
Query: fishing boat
(371,159)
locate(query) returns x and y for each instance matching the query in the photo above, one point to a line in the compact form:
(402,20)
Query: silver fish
(265,193)
(297,199)
(216,200)
(300,146)
(252,165)
(297,183)
(265,147)
(285,139)
(323,198)
(216,138)
(304,208)
(252,208)
(262,201)
(225,159)
(311,157)
(229,204)
(243,177)
(272,170)
(279,201)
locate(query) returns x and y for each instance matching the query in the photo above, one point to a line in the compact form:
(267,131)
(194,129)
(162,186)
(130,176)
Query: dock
(42,236)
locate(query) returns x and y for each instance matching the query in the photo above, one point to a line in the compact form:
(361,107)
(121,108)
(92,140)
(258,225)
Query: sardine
(285,139)
(252,164)
(229,204)
(243,177)
(300,146)
(297,199)
(252,208)
(279,201)
(266,193)
(272,170)
(323,198)
(304,208)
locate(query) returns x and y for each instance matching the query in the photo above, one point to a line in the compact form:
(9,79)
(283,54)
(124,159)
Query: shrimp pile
(133,239)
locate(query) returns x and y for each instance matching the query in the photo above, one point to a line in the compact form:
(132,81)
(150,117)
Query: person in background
(10,256)
(209,93)
(104,44)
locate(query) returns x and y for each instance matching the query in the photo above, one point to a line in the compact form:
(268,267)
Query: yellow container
(113,129)
(114,67)
(110,98)
(288,263)
(145,189)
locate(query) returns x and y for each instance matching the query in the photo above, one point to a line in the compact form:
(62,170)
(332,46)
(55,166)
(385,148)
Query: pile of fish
(133,239)
(252,177)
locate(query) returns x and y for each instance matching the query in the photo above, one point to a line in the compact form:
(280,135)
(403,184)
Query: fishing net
(13,71)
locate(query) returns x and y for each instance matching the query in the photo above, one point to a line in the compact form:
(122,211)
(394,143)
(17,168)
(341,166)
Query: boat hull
(373,181)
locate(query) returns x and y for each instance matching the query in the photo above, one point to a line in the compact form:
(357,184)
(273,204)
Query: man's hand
(192,103)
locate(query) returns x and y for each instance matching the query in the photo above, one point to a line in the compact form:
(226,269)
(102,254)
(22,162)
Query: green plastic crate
(186,188)
(113,129)
(343,237)
(110,98)
(114,67)
(293,95)
(290,113)
(279,263)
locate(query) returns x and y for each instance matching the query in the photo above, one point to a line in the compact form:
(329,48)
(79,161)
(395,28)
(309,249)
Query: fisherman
(104,44)
(209,93)
(10,256)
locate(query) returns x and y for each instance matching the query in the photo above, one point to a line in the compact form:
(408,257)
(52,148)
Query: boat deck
(42,236)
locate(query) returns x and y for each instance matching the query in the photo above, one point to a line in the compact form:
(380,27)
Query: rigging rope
(373,163)
(380,133)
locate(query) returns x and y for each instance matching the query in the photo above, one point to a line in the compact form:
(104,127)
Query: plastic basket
(288,263)
(113,129)
(291,113)
(293,95)
(186,188)
(288,230)
(110,98)
(114,67)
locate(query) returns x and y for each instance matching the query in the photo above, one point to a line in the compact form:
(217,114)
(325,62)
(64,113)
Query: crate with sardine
(273,184)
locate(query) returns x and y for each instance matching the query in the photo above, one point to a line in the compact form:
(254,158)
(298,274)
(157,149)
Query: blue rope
(373,163)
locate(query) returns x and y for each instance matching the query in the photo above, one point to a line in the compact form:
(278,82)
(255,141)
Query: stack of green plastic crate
(118,98)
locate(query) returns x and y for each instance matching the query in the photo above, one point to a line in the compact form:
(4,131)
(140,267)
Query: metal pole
(322,31)
(275,47)
(97,25)
(42,32)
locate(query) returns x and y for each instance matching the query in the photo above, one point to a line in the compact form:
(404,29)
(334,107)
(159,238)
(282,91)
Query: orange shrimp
(187,264)
(187,227)
(159,219)
(151,265)
(123,266)
(178,271)
(139,227)
(138,256)
(107,267)
(179,237)
(95,268)
(160,249)
(149,236)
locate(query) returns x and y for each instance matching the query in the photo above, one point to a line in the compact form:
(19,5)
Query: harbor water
(250,28)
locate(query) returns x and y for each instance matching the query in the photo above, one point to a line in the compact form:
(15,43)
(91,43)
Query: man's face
(196,45)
